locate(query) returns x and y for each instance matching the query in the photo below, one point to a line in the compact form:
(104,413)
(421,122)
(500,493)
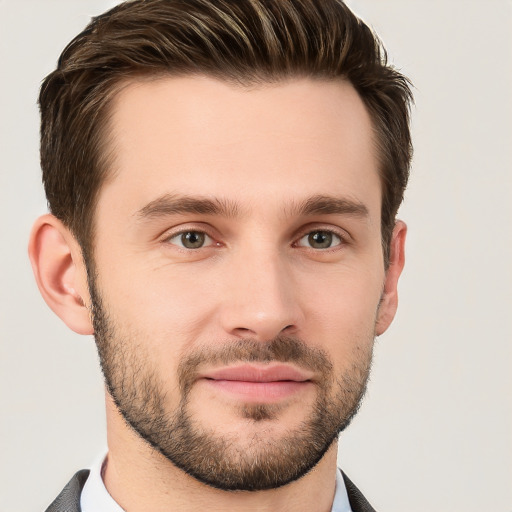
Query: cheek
(341,309)
(167,304)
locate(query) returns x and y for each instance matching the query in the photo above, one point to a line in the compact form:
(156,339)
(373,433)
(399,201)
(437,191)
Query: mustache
(284,349)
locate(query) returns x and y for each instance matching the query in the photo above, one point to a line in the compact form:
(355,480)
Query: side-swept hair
(246,42)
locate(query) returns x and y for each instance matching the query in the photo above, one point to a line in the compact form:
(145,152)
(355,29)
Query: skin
(264,151)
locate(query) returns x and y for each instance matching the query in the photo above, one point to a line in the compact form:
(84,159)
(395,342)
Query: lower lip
(259,391)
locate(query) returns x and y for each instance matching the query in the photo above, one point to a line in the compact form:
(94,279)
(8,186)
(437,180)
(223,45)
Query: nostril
(242,329)
(288,329)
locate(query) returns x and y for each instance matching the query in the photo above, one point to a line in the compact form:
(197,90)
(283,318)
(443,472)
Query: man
(223,179)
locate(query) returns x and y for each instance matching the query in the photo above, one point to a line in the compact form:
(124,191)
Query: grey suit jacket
(69,499)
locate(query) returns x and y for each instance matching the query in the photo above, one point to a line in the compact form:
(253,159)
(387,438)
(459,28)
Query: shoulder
(69,499)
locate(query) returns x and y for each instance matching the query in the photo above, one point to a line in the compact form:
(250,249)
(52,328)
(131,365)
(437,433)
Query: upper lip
(259,373)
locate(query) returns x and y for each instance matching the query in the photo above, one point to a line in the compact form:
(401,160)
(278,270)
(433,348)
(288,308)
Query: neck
(139,479)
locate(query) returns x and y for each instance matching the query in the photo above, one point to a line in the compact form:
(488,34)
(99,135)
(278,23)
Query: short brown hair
(242,41)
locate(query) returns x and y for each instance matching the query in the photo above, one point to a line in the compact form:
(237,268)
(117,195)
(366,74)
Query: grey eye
(320,240)
(191,239)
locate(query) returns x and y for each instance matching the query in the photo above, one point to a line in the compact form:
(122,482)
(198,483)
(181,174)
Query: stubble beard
(218,459)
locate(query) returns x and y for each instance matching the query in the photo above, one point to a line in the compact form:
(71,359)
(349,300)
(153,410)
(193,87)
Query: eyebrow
(171,204)
(328,205)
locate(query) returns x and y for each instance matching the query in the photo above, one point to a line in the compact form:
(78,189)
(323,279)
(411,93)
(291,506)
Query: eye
(191,239)
(320,239)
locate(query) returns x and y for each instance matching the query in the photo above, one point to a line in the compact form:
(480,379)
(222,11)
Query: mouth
(258,383)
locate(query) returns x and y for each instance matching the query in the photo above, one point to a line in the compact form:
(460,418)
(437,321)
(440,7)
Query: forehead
(202,136)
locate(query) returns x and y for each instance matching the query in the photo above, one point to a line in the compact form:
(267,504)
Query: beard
(222,460)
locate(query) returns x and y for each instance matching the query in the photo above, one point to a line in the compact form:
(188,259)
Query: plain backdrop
(435,431)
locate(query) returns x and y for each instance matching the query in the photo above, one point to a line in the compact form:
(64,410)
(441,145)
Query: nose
(261,298)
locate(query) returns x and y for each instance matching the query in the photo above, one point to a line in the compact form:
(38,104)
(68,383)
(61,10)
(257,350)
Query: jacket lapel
(69,499)
(358,502)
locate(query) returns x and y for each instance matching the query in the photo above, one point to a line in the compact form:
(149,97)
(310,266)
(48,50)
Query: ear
(60,272)
(389,299)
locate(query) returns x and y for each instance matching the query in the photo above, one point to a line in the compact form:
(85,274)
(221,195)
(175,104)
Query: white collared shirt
(95,497)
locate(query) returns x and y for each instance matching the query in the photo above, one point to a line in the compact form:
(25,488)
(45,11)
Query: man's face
(238,272)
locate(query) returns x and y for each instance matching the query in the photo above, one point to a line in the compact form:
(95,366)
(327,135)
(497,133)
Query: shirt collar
(95,497)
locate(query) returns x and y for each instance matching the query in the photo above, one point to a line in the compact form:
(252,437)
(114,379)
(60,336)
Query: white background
(435,432)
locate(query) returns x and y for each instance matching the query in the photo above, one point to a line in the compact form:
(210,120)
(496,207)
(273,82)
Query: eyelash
(342,239)
(168,239)
(334,234)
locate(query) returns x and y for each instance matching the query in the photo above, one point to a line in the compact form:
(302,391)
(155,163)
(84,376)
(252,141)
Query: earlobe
(389,300)
(60,272)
